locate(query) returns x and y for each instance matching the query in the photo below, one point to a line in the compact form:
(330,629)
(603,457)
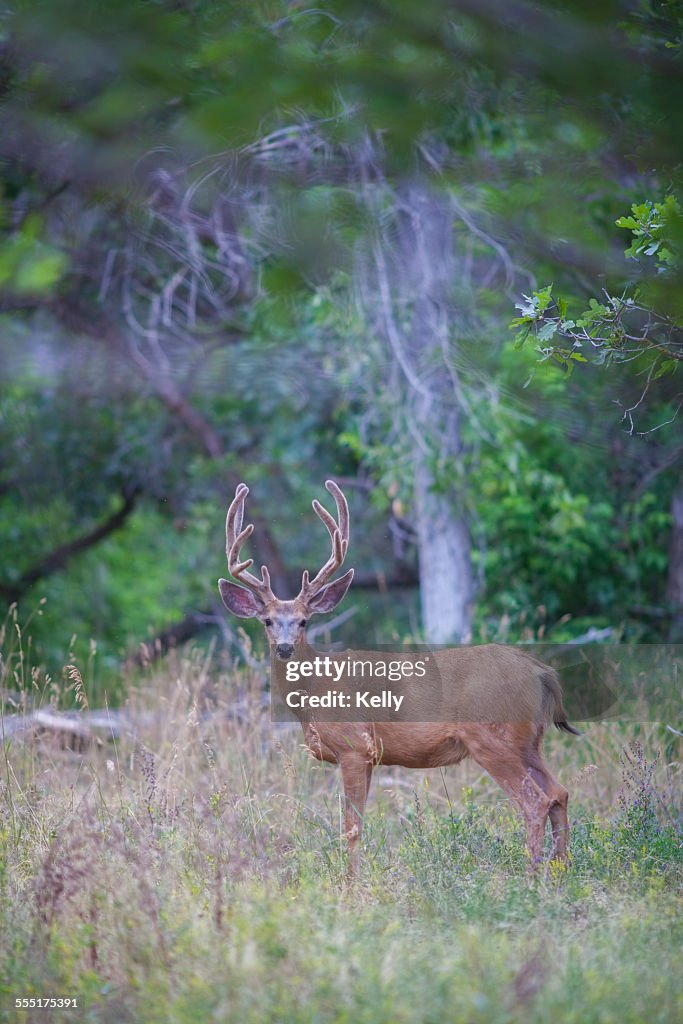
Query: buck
(495,701)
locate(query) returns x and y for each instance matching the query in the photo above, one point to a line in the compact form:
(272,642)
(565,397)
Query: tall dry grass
(194,866)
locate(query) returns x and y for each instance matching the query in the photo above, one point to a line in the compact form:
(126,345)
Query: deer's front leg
(356,774)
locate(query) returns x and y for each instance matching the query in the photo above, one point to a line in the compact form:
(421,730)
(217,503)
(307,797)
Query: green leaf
(521,338)
(642,210)
(543,298)
(548,330)
(528,308)
(666,366)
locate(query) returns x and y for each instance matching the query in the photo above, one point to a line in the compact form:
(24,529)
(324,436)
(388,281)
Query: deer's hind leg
(497,748)
(558,797)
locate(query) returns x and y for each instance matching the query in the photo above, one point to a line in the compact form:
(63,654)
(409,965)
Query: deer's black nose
(284,651)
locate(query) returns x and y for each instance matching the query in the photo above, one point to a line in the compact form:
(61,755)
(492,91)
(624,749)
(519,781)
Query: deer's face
(284,621)
(285,626)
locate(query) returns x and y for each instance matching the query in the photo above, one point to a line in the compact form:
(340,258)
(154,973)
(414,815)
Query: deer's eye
(303,622)
(267,622)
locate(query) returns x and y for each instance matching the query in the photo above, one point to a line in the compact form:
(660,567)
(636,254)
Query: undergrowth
(193,870)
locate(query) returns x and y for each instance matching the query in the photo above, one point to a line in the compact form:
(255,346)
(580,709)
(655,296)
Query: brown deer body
(494,703)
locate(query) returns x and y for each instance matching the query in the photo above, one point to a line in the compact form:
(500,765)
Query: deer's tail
(552,702)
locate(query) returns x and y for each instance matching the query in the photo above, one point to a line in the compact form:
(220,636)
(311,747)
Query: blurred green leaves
(29,265)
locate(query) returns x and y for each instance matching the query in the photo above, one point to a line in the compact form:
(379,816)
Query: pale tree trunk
(445,564)
(444,555)
(674,591)
(416,291)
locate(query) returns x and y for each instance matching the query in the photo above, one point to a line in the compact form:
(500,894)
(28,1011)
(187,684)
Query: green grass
(195,873)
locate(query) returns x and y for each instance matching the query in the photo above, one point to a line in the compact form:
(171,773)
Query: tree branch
(169,394)
(62,555)
(172,636)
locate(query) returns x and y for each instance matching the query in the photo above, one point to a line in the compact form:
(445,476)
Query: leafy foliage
(629,327)
(188,194)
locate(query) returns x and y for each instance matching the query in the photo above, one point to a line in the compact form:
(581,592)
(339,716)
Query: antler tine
(233,520)
(342,508)
(338,530)
(235,537)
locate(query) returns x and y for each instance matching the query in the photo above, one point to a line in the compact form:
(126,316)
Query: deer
(495,704)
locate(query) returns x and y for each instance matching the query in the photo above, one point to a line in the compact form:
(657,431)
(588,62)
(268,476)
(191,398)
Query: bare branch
(60,557)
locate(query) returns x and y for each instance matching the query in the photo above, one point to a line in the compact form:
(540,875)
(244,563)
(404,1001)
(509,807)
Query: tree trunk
(430,264)
(443,543)
(419,301)
(674,590)
(445,565)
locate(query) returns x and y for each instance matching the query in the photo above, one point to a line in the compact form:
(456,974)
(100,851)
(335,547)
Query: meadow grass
(194,872)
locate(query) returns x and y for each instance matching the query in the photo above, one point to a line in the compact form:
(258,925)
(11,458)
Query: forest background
(276,244)
(431,250)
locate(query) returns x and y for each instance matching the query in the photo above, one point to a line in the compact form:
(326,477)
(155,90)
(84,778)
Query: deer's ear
(330,596)
(239,601)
